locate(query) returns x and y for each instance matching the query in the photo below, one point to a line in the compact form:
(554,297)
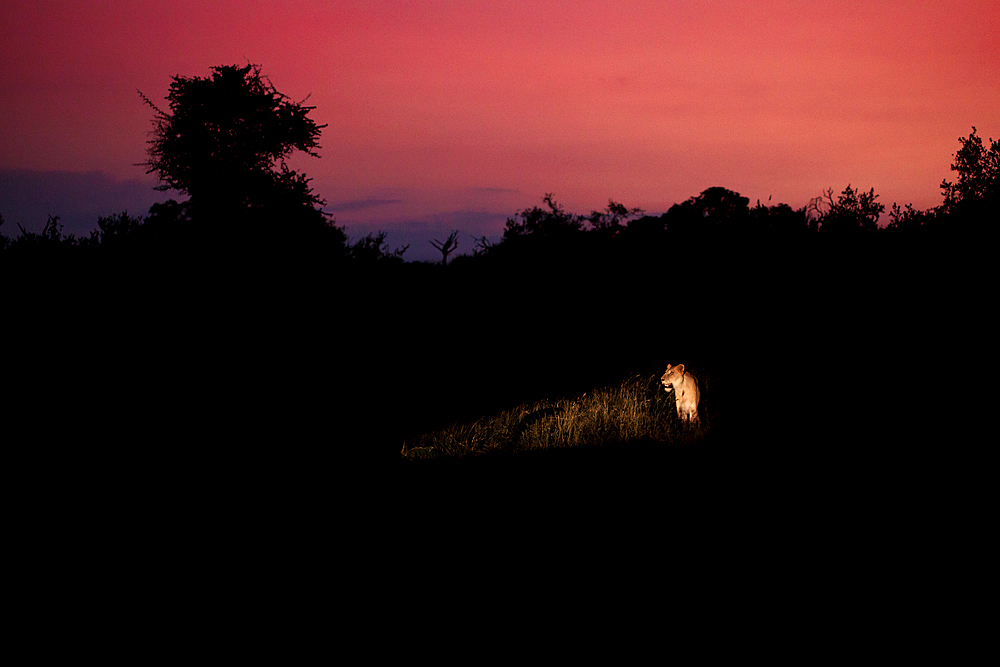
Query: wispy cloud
(360,204)
(496,191)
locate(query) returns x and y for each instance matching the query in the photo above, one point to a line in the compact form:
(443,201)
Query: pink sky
(453,114)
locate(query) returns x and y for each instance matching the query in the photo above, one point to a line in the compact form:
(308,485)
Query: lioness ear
(679,368)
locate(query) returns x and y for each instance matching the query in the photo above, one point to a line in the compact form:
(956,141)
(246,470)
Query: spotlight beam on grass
(634,411)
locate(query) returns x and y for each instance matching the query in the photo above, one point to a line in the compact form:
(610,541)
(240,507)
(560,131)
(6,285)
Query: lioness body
(685,389)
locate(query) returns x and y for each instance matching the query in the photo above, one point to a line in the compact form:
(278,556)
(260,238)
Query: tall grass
(635,411)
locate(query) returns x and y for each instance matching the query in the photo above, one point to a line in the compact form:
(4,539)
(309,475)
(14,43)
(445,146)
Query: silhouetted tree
(714,210)
(816,208)
(778,220)
(373,249)
(647,231)
(609,221)
(447,247)
(224,142)
(167,216)
(51,234)
(853,211)
(481,245)
(49,243)
(119,228)
(551,223)
(977,190)
(907,219)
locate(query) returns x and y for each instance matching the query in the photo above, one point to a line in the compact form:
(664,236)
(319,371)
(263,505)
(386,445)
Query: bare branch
(447,247)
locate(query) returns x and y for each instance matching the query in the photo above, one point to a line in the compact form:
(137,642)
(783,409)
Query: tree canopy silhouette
(977,189)
(554,223)
(714,210)
(609,221)
(853,211)
(224,142)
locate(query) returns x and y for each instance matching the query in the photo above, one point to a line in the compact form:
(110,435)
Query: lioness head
(673,374)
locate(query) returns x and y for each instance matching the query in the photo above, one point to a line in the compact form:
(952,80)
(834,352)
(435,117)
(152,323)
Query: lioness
(687,394)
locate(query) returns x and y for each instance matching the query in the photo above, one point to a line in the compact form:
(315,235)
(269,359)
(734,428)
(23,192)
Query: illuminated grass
(635,411)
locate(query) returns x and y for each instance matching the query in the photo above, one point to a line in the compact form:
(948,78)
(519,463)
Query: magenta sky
(453,114)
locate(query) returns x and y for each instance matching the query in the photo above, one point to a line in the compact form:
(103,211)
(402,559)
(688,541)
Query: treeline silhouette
(241,330)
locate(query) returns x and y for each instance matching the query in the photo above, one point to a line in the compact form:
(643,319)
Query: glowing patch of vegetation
(635,411)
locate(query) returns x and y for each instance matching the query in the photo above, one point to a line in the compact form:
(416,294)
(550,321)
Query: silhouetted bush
(373,250)
(976,193)
(714,212)
(851,212)
(908,220)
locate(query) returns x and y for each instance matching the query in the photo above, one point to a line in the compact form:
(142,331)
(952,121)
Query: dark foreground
(182,388)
